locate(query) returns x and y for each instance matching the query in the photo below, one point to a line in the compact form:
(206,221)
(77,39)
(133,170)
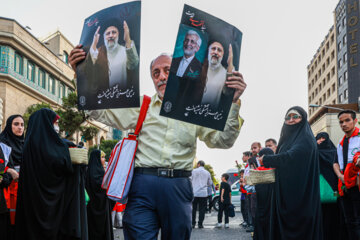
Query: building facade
(347,24)
(322,74)
(34,71)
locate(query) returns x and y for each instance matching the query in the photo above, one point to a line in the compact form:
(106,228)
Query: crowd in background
(316,193)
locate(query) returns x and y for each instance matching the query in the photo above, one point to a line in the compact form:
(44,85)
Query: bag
(261,177)
(326,192)
(231,210)
(78,155)
(87,198)
(120,170)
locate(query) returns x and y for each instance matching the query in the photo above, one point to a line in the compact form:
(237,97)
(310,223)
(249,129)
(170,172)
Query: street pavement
(209,232)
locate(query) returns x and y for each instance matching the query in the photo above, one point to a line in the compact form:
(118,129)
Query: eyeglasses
(288,118)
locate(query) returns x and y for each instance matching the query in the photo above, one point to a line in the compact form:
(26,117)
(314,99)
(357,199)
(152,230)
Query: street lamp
(316,105)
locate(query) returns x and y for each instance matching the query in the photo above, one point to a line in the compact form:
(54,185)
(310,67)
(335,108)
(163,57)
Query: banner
(207,50)
(109,75)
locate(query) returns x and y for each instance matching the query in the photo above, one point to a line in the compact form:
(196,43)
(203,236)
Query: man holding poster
(161,194)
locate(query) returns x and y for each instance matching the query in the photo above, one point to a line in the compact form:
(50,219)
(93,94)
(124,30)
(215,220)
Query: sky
(280,38)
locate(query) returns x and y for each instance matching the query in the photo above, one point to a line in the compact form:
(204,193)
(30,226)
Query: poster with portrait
(207,50)
(109,75)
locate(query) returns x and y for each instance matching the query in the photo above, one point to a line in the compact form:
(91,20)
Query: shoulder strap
(144,107)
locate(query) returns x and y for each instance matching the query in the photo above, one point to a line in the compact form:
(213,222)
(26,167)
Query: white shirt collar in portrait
(184,63)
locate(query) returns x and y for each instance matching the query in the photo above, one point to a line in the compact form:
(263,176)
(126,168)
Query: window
(328,92)
(345,57)
(341,98)
(339,63)
(344,40)
(332,55)
(65,57)
(41,76)
(324,97)
(51,85)
(344,21)
(332,39)
(323,82)
(320,101)
(31,71)
(328,61)
(333,71)
(18,63)
(328,77)
(345,94)
(339,46)
(316,91)
(339,29)
(61,90)
(320,87)
(333,88)
(341,80)
(345,76)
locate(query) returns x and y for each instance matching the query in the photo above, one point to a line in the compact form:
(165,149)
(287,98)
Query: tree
(105,146)
(71,119)
(210,169)
(33,108)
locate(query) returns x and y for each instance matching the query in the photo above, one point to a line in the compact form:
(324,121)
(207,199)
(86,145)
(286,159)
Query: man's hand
(222,200)
(261,160)
(236,82)
(230,67)
(76,55)
(127,38)
(95,39)
(13,173)
(341,177)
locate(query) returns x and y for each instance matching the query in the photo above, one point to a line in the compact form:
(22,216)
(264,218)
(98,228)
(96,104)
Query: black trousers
(201,201)
(223,207)
(350,206)
(209,199)
(244,211)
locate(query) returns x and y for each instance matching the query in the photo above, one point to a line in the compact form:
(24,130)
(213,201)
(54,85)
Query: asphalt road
(209,231)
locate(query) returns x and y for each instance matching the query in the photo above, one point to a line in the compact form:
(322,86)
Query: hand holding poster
(207,51)
(109,75)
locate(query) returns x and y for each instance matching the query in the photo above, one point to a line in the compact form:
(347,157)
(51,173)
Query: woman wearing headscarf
(7,175)
(99,207)
(44,170)
(332,223)
(263,204)
(296,212)
(13,136)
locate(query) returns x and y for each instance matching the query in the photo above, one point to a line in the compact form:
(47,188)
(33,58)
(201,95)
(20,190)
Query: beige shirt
(165,142)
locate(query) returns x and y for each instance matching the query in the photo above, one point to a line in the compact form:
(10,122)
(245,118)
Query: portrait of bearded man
(216,74)
(109,65)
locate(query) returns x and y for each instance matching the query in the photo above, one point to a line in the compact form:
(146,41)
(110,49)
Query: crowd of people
(316,192)
(43,193)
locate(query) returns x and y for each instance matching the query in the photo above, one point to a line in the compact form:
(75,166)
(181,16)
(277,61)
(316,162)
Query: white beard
(111,46)
(214,64)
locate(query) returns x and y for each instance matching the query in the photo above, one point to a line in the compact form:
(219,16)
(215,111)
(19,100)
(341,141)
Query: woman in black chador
(45,168)
(295,207)
(13,136)
(333,223)
(264,194)
(99,207)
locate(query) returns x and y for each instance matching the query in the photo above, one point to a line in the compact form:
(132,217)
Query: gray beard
(214,64)
(111,47)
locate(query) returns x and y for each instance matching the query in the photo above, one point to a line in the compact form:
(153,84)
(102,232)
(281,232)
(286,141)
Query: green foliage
(210,169)
(33,108)
(88,132)
(105,146)
(70,118)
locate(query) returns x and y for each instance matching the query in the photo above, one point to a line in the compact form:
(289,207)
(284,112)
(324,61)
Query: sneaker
(226,225)
(243,224)
(218,225)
